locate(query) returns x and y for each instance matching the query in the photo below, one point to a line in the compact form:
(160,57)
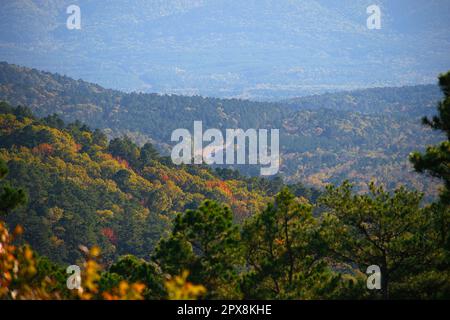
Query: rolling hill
(361,136)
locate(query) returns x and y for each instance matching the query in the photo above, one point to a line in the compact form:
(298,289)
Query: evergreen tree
(283,253)
(133,269)
(389,230)
(204,242)
(10,197)
(436,159)
(148,154)
(125,149)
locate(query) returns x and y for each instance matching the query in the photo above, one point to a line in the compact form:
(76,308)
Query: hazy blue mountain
(262,49)
(412,101)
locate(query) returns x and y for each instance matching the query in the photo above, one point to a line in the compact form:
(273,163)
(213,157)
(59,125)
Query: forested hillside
(224,150)
(141,228)
(65,189)
(84,190)
(361,136)
(411,101)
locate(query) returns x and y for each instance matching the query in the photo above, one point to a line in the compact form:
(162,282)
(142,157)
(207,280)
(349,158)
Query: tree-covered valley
(361,136)
(85,181)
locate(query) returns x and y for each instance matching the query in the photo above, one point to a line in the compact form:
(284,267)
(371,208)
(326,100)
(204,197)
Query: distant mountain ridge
(363,100)
(321,142)
(256,49)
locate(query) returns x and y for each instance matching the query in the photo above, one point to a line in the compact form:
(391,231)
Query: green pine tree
(436,159)
(204,242)
(283,253)
(10,198)
(389,230)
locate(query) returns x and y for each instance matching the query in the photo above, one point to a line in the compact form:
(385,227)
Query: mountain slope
(361,136)
(83,191)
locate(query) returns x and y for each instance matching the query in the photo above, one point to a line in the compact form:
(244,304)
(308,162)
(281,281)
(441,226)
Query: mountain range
(255,49)
(361,136)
